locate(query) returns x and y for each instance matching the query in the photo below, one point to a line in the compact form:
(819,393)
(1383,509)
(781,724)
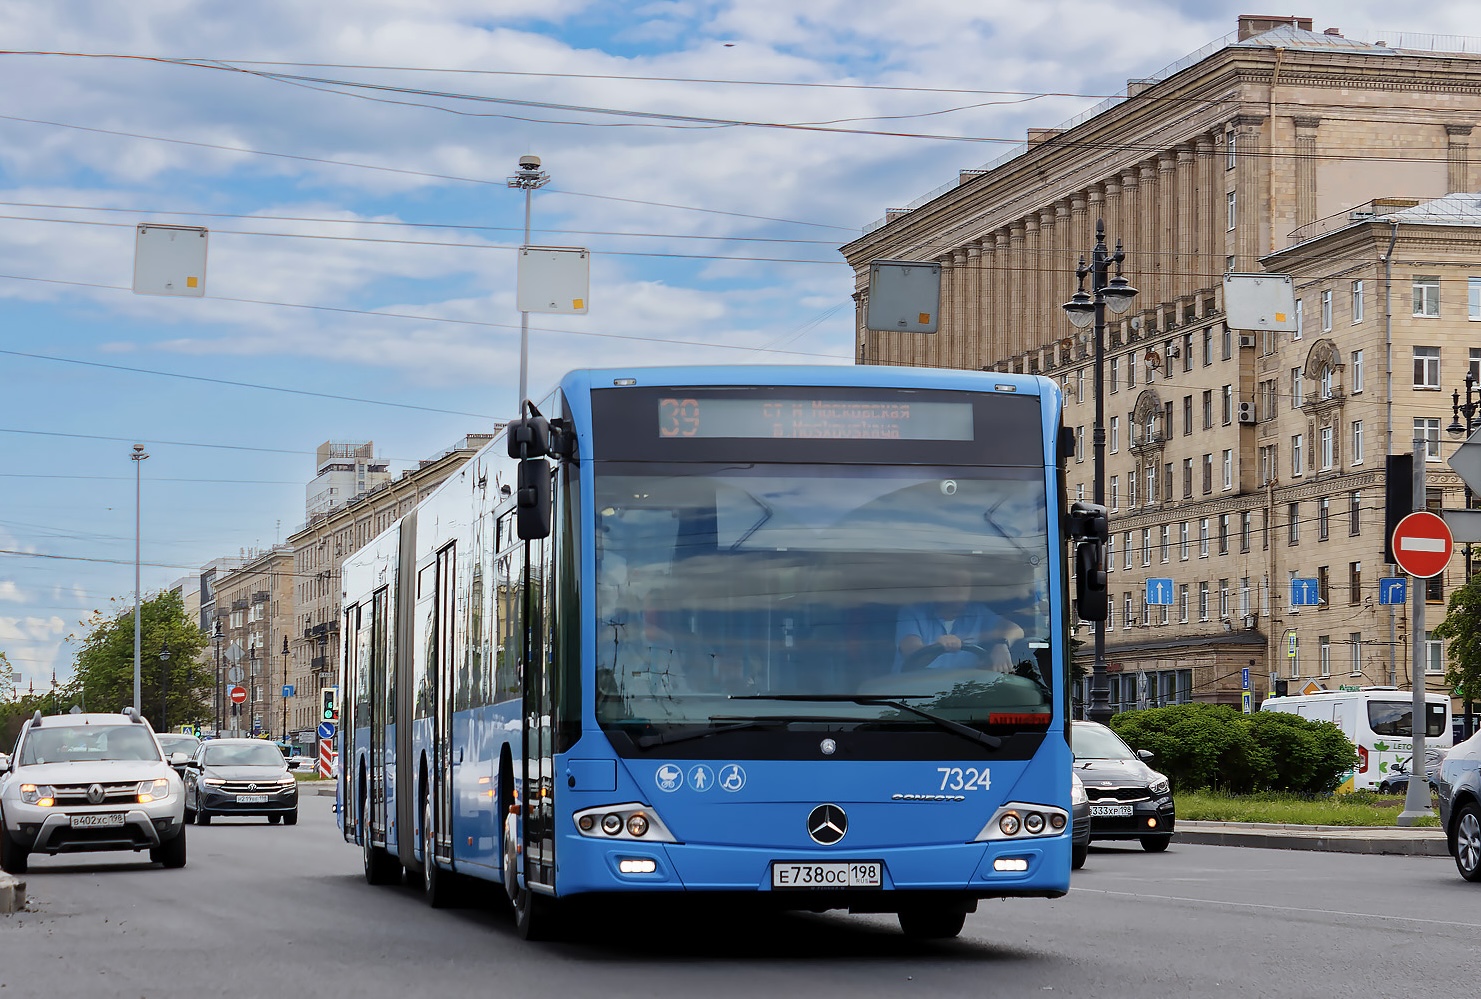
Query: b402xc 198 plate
(830,874)
(100,819)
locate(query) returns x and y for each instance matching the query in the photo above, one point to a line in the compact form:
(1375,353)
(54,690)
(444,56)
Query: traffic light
(1398,498)
(329,704)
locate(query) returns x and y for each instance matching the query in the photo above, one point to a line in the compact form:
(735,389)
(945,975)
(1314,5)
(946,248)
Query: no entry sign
(1423,544)
(238,695)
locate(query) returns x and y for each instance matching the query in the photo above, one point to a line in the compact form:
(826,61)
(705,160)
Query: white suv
(84,782)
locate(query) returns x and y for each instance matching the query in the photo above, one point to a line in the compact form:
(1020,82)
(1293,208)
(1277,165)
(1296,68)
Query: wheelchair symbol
(732,777)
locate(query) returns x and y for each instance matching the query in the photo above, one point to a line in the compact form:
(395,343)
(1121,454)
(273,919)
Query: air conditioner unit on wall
(1246,339)
(1249,620)
(1246,412)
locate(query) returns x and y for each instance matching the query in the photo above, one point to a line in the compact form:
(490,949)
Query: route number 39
(964,779)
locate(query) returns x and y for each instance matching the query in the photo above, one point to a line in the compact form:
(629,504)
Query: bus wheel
(380,867)
(932,923)
(534,915)
(434,884)
(1468,842)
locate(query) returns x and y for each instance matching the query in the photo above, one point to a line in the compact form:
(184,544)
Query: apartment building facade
(1234,461)
(255,607)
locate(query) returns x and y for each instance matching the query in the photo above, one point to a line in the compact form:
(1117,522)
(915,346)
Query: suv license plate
(261,799)
(93,821)
(1118,811)
(834,874)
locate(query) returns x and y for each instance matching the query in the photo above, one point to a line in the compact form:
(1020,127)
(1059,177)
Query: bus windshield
(719,586)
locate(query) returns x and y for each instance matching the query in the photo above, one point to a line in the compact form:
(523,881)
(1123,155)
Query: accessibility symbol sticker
(669,777)
(701,777)
(732,777)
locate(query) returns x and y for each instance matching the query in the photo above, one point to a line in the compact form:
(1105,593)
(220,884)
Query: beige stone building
(255,607)
(1234,461)
(319,549)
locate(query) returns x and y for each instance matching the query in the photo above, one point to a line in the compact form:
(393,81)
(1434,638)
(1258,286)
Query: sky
(350,159)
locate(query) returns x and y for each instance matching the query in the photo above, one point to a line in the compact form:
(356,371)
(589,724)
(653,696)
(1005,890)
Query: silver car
(86,782)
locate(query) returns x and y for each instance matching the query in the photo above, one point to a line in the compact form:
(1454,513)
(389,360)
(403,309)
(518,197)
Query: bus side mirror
(532,500)
(528,438)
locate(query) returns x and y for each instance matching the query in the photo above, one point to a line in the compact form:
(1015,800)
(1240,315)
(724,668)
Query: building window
(1357,371)
(1167,481)
(1187,415)
(1229,149)
(1300,320)
(1111,553)
(1115,492)
(1187,478)
(1127,542)
(1183,603)
(1326,312)
(1357,442)
(1183,541)
(1427,296)
(1355,661)
(1229,264)
(1131,371)
(1354,513)
(1427,429)
(1208,409)
(1223,534)
(1324,440)
(1323,518)
(1166,546)
(1203,538)
(1324,653)
(1271,401)
(1208,346)
(1434,589)
(1126,619)
(1298,389)
(1426,367)
(1244,596)
(1357,302)
(1115,434)
(1208,473)
(1323,583)
(1228,405)
(1354,583)
(1203,601)
(1325,383)
(1226,341)
(1434,653)
(1268,467)
(1223,598)
(1228,468)
(1188,350)
(1473,299)
(1131,489)
(1080,443)
(1296,466)
(1246,521)
(1231,203)
(1475,368)
(1146,546)
(1115,379)
(1293,528)
(1080,385)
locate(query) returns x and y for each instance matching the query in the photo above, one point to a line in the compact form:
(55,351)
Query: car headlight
(39,794)
(212,781)
(153,790)
(1077,791)
(287,781)
(1159,784)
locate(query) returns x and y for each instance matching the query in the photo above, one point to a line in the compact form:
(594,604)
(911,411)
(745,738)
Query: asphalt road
(272,911)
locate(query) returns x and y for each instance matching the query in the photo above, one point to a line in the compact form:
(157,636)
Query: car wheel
(1078,855)
(202,817)
(170,853)
(932,923)
(13,856)
(290,818)
(273,820)
(1155,844)
(1467,842)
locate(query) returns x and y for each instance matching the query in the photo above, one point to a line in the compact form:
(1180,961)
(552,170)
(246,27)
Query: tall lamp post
(138,457)
(1084,311)
(1471,410)
(528,178)
(164,686)
(216,640)
(285,688)
(251,682)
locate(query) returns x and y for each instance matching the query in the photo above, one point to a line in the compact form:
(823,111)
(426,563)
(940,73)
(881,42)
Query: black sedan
(1459,788)
(1128,799)
(240,777)
(1079,824)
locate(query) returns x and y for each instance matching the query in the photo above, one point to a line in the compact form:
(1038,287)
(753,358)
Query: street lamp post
(216,640)
(285,688)
(164,686)
(251,682)
(528,178)
(1085,310)
(138,456)
(1471,410)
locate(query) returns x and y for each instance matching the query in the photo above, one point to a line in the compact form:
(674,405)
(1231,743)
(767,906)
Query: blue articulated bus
(793,635)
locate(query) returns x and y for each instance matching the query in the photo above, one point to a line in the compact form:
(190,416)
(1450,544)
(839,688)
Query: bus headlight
(1020,820)
(629,821)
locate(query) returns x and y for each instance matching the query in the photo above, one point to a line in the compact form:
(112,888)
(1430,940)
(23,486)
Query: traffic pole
(1417,796)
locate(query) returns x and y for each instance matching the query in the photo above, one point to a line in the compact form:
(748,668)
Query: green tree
(1461,631)
(104,678)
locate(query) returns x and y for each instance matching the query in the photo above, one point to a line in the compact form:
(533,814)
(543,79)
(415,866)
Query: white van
(1377,720)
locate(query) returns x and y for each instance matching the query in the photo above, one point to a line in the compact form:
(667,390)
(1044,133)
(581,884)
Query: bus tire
(435,885)
(1468,841)
(534,915)
(932,923)
(1155,844)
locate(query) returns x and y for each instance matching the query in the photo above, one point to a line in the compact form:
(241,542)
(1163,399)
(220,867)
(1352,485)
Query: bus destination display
(814,419)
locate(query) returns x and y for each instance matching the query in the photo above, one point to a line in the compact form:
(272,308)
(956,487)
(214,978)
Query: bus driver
(932,635)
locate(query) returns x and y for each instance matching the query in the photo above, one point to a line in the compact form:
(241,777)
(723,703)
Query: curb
(12,894)
(1421,842)
(324,789)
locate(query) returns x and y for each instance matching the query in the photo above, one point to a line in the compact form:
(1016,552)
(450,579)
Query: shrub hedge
(1216,747)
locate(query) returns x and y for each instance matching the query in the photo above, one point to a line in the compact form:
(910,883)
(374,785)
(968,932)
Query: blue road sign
(287,690)
(1305,593)
(1159,591)
(1244,678)
(326,730)
(1393,590)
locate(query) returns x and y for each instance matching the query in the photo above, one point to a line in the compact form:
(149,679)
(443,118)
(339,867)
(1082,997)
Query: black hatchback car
(1459,789)
(1128,799)
(240,777)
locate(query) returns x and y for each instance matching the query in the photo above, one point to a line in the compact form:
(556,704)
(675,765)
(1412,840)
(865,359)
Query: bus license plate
(834,874)
(251,799)
(1117,811)
(94,821)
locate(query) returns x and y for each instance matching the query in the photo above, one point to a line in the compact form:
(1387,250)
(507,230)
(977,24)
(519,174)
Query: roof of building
(1453,209)
(1288,37)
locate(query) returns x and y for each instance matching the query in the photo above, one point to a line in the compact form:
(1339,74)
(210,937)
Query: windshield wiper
(695,732)
(896,701)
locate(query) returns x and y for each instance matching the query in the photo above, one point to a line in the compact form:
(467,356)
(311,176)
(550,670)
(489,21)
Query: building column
(1458,159)
(1129,231)
(1050,234)
(1013,328)
(1167,238)
(1250,171)
(1185,224)
(1147,231)
(1002,259)
(1109,209)
(1306,126)
(862,335)
(1209,261)
(954,350)
(972,346)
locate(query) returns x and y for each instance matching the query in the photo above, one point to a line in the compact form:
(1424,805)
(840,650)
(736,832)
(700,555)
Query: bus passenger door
(375,716)
(444,756)
(538,789)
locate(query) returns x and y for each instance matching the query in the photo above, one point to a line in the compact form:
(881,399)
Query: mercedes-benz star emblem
(827,824)
(828,746)
(95,794)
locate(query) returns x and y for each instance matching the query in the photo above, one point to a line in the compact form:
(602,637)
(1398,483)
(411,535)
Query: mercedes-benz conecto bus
(792,635)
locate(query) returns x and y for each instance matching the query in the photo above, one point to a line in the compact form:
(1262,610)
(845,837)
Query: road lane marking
(1278,908)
